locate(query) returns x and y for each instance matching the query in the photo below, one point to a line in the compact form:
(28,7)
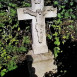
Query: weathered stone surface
(49,12)
(42,63)
(37,13)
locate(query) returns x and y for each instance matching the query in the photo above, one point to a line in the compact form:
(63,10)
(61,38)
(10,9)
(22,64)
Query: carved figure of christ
(37,13)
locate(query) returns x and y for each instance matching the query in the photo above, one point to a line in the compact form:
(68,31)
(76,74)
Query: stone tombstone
(37,13)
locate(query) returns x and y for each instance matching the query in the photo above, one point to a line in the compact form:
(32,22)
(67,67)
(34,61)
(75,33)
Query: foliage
(64,24)
(64,32)
(10,45)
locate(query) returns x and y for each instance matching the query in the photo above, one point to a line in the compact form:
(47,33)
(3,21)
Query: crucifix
(43,61)
(37,13)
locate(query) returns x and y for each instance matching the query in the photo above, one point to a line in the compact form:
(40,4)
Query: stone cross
(37,13)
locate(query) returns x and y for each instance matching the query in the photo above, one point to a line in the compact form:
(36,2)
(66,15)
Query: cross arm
(49,11)
(25,13)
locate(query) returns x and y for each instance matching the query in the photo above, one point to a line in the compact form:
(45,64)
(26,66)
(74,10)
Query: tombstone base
(41,64)
(40,49)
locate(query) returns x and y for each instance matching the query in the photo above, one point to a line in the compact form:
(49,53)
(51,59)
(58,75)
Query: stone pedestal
(41,64)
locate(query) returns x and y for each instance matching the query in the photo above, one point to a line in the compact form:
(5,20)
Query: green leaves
(56,51)
(0,5)
(3,54)
(0,67)
(3,13)
(49,36)
(11,66)
(10,33)
(67,14)
(63,11)
(12,5)
(26,40)
(71,3)
(59,15)
(22,49)
(57,42)
(70,10)
(71,26)
(55,34)
(2,24)
(73,16)
(3,72)
(12,12)
(62,6)
(55,2)
(26,4)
